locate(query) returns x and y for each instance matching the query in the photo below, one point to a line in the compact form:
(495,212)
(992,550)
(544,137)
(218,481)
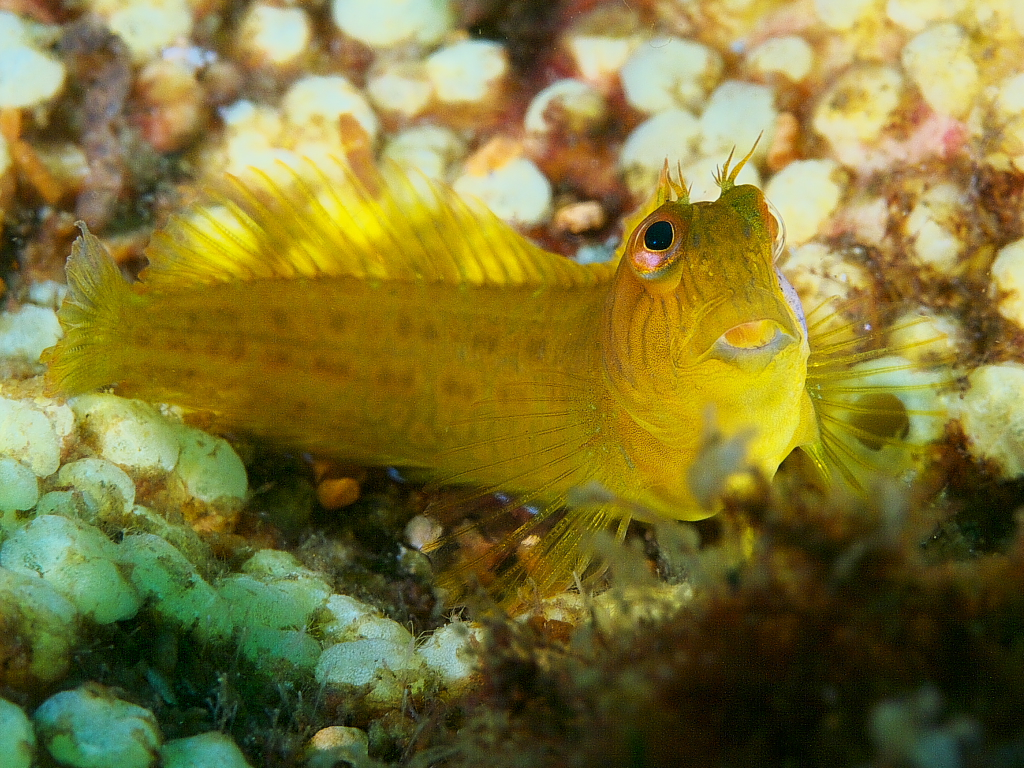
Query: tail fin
(92,317)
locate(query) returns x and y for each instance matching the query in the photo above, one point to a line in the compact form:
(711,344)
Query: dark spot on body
(403,326)
(337,321)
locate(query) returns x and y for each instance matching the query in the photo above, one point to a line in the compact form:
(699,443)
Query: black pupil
(658,236)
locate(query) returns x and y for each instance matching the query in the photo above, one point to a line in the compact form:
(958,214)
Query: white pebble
(79,561)
(17,739)
(858,107)
(805,192)
(210,468)
(453,651)
(108,493)
(790,56)
(515,191)
(939,62)
(363,663)
(933,224)
(89,727)
(279,652)
(338,742)
(669,72)
(41,620)
(992,418)
(844,14)
(147,27)
(207,750)
(923,336)
(671,135)
(19,487)
(273,590)
(400,86)
(276,35)
(344,619)
(28,77)
(602,41)
(736,114)
(390,23)
(129,433)
(1008,102)
(427,150)
(915,15)
(169,582)
(28,436)
(579,106)
(26,332)
(467,71)
(312,105)
(1008,281)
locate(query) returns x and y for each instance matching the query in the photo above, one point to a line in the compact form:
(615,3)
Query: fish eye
(659,236)
(777,230)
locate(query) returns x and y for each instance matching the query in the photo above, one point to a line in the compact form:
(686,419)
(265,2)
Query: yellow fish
(392,323)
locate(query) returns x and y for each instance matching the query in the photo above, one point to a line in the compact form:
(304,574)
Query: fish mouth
(751,345)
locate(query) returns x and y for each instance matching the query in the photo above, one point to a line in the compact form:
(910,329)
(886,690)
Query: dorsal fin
(312,225)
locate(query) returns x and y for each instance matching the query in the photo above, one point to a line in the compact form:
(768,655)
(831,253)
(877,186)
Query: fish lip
(724,313)
(751,358)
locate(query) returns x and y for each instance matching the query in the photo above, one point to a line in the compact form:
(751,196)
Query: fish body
(391,323)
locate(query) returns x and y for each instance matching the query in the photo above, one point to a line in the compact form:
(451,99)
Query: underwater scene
(413,383)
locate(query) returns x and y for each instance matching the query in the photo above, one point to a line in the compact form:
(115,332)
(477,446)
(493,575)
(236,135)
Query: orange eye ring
(657,243)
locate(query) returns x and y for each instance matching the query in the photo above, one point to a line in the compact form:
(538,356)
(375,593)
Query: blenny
(389,322)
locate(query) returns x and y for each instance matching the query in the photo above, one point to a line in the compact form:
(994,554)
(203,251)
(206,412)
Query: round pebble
(210,468)
(19,487)
(313,104)
(915,15)
(148,28)
(858,106)
(18,56)
(790,56)
(736,114)
(89,727)
(362,662)
(818,274)
(400,86)
(671,135)
(79,561)
(939,62)
(428,150)
(468,71)
(275,35)
(452,651)
(602,41)
(17,739)
(129,433)
(1008,281)
(28,436)
(669,72)
(41,623)
(570,105)
(515,191)
(27,331)
(107,491)
(207,750)
(992,418)
(335,742)
(844,14)
(390,23)
(932,226)
(805,192)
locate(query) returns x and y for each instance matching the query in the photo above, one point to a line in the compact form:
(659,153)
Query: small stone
(19,487)
(89,727)
(147,27)
(382,667)
(40,630)
(844,14)
(427,150)
(736,115)
(344,619)
(79,561)
(400,86)
(390,23)
(337,492)
(805,192)
(311,108)
(108,493)
(452,652)
(819,274)
(671,135)
(28,77)
(26,332)
(602,41)
(1008,281)
(568,105)
(790,56)
(468,71)
(273,590)
(858,107)
(274,35)
(670,73)
(337,743)
(939,62)
(915,15)
(17,739)
(207,750)
(28,436)
(210,468)
(992,418)
(129,433)
(932,226)
(511,185)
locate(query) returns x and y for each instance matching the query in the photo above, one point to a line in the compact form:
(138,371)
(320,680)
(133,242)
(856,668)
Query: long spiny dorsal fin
(726,177)
(309,225)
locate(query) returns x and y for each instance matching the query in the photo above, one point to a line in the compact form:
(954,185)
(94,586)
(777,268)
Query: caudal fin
(92,317)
